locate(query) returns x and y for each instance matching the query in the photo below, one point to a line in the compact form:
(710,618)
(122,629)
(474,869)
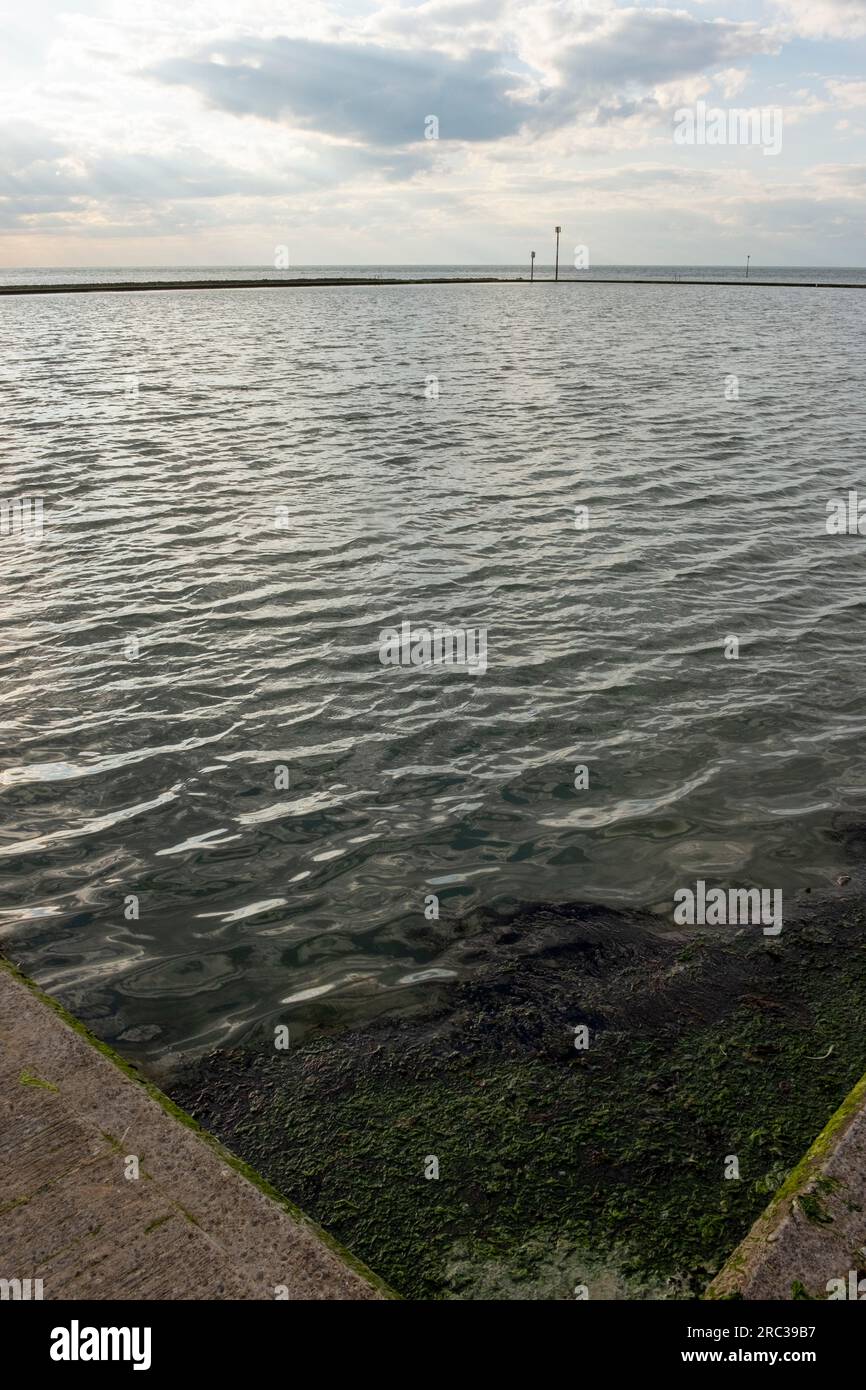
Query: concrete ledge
(195,1224)
(127,286)
(814,1230)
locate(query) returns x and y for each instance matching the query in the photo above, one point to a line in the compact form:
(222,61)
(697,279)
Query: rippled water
(154,775)
(114,274)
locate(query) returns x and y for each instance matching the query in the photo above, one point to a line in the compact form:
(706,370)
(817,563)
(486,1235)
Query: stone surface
(193,1225)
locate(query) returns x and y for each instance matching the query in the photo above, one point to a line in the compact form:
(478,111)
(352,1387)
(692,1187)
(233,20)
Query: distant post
(748,258)
(556,272)
(532,265)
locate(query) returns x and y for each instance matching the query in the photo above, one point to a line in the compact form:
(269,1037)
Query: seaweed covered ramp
(559,1167)
(108,1191)
(811,1240)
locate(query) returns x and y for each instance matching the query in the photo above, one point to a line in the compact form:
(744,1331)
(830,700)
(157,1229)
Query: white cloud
(847,94)
(825,19)
(209,125)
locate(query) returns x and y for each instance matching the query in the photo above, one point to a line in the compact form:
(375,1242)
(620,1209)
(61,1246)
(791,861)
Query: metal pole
(532,265)
(748,258)
(556,273)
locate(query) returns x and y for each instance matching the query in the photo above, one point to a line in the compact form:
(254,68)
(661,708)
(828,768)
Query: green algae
(557,1169)
(804,1186)
(586,1154)
(27,1079)
(160,1221)
(812,1209)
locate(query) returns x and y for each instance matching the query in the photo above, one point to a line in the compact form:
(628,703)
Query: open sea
(221,809)
(114,274)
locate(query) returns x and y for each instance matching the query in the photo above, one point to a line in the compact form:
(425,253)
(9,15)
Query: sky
(442,132)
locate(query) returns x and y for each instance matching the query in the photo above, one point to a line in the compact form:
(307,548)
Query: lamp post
(532,265)
(556,272)
(748,258)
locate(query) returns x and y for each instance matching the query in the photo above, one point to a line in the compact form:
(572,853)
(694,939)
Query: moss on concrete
(160,1221)
(27,1079)
(805,1186)
(171,1108)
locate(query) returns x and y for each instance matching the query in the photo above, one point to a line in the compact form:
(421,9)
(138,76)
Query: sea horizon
(12,278)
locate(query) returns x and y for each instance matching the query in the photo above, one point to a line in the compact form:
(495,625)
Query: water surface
(61,275)
(250,485)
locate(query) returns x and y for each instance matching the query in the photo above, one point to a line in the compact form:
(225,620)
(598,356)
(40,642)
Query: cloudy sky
(145,132)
